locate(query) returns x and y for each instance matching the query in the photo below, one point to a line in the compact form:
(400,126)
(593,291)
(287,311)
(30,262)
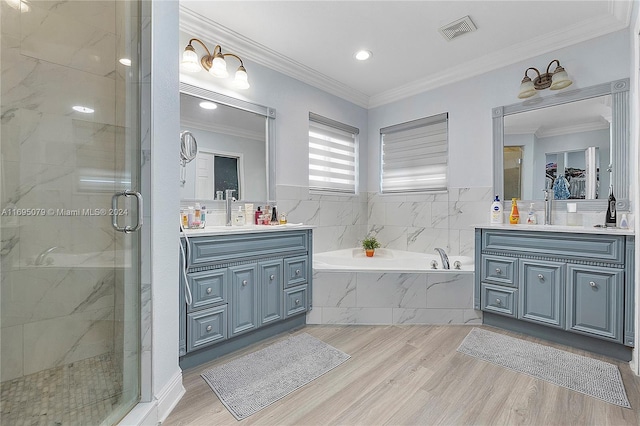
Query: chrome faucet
(228,195)
(40,259)
(443,257)
(548,205)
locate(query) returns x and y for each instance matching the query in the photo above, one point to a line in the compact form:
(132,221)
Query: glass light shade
(526,89)
(219,67)
(190,61)
(560,80)
(241,81)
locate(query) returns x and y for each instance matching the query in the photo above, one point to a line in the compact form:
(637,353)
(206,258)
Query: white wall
(469,103)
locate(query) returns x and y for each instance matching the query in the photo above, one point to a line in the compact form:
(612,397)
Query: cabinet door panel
(542,292)
(243,299)
(271,288)
(595,296)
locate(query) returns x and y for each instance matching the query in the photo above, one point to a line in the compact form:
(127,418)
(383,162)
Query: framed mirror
(236,146)
(581,136)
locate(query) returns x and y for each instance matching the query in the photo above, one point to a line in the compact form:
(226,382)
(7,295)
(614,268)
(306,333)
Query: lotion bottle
(496,211)
(531,216)
(238,218)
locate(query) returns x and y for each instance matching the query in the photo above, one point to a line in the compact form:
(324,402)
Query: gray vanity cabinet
(595,301)
(243,285)
(580,283)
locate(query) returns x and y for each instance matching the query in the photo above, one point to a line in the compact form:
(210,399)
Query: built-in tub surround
(410,294)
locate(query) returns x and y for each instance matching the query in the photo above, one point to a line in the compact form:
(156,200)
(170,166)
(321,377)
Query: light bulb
(241,80)
(190,60)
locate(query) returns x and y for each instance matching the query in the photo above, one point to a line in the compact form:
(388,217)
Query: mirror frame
(270,127)
(619,91)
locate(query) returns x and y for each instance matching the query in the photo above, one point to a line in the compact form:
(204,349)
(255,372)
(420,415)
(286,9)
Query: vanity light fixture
(214,63)
(554,81)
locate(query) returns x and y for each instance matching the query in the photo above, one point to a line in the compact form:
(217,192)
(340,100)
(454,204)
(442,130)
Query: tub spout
(41,257)
(443,257)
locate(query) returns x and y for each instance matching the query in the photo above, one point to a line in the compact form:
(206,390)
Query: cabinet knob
(541,277)
(592,284)
(498,271)
(272,277)
(498,302)
(209,290)
(297,271)
(244,282)
(209,328)
(297,301)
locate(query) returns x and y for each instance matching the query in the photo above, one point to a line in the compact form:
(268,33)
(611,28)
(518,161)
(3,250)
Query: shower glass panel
(70,282)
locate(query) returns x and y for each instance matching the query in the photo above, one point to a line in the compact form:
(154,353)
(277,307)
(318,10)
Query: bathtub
(392,287)
(387,260)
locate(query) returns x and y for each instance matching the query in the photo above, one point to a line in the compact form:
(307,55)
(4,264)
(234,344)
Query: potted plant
(370,244)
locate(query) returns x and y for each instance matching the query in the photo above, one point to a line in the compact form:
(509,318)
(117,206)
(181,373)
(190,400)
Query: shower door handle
(114,211)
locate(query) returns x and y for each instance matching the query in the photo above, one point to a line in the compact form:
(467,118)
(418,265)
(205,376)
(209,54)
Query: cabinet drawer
(500,300)
(604,248)
(206,327)
(208,288)
(296,271)
(295,300)
(499,270)
(224,248)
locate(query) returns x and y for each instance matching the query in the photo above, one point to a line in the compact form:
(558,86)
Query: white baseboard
(155,412)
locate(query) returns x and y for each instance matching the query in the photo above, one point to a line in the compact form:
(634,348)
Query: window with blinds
(414,155)
(333,155)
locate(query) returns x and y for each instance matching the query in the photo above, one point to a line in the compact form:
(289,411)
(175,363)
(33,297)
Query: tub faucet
(228,195)
(443,257)
(548,206)
(40,259)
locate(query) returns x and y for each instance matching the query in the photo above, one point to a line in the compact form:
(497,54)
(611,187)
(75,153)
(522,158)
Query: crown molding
(209,30)
(591,126)
(226,130)
(618,18)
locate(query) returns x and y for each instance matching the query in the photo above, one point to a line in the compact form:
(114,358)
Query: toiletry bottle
(238,218)
(248,214)
(496,211)
(514,217)
(531,216)
(203,216)
(274,217)
(190,217)
(196,216)
(624,222)
(283,219)
(256,217)
(610,220)
(184,218)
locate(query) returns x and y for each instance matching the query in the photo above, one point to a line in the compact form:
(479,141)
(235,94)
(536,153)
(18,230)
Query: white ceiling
(315,41)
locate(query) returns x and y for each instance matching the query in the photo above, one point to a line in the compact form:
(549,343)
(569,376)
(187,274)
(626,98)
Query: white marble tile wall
(55,56)
(393,298)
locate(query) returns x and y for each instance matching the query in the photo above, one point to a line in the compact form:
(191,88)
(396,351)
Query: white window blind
(414,155)
(333,153)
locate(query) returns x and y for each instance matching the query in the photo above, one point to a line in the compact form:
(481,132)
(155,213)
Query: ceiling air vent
(457,28)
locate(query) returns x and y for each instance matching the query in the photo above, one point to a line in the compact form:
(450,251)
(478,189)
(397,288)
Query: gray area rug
(585,375)
(254,381)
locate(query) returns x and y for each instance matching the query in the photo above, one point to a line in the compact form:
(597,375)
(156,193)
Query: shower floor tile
(80,393)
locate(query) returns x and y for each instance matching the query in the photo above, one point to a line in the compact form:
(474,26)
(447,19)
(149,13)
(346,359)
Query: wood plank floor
(412,375)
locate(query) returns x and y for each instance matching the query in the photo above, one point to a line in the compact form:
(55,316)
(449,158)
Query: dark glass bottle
(274,217)
(611,209)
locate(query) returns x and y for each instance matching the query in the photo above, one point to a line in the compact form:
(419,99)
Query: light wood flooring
(412,375)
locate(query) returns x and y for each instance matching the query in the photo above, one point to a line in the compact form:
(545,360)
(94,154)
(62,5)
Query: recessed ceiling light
(83,109)
(363,55)
(208,105)
(125,61)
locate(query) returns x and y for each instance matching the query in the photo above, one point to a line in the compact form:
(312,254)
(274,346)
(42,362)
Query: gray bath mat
(257,380)
(585,375)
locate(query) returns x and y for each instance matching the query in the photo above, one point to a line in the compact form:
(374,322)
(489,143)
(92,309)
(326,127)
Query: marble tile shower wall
(417,223)
(54,56)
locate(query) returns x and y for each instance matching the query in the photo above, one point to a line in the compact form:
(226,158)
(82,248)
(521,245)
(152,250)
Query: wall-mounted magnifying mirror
(236,147)
(188,151)
(578,138)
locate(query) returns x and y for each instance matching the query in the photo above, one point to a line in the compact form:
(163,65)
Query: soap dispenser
(238,217)
(531,216)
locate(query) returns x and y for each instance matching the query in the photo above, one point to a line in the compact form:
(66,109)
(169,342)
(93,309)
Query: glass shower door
(70,282)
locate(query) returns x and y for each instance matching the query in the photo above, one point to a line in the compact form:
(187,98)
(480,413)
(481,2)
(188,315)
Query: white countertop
(559,228)
(247,229)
